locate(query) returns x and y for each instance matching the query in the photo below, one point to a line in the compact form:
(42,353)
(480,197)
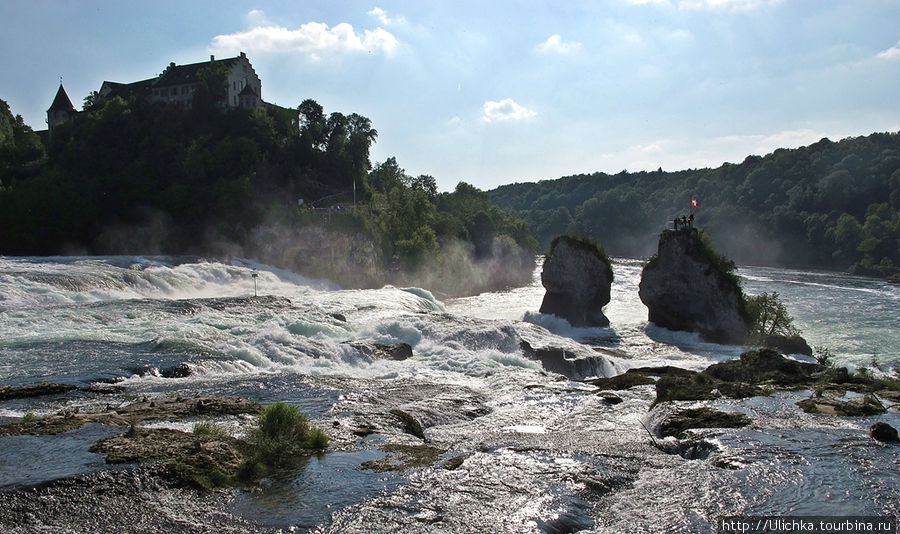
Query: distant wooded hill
(831,205)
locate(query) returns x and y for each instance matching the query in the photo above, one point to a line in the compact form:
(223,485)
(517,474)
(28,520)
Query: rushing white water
(531,441)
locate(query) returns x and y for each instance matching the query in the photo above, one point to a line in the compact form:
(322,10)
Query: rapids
(516,448)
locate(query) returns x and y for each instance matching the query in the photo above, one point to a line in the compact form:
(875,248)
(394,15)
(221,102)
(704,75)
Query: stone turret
(60,110)
(688,286)
(578,277)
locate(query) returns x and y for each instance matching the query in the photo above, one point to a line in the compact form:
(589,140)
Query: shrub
(28,417)
(209,428)
(283,431)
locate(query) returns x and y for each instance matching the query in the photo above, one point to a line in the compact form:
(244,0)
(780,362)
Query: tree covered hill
(292,187)
(832,205)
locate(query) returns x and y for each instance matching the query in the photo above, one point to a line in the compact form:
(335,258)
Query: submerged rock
(408,423)
(131,414)
(405,457)
(884,432)
(675,424)
(381,351)
(558,360)
(577,276)
(34,390)
(867,405)
(688,286)
(788,344)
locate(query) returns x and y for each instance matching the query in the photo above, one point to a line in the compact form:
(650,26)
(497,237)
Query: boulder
(688,286)
(867,405)
(381,351)
(765,366)
(564,362)
(788,344)
(884,432)
(34,390)
(705,417)
(577,276)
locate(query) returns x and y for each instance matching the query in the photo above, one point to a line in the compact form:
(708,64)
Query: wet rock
(182,407)
(404,457)
(610,398)
(622,381)
(867,405)
(577,276)
(397,352)
(688,448)
(788,344)
(884,432)
(181,370)
(687,286)
(195,458)
(143,499)
(701,386)
(34,390)
(408,423)
(557,360)
(705,417)
(41,426)
(765,366)
(131,414)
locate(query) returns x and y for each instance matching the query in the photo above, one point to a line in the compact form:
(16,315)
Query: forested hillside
(293,187)
(832,205)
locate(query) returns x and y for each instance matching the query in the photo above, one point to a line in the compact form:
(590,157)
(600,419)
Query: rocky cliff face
(577,277)
(686,288)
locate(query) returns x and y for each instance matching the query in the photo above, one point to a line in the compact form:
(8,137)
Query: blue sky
(494,92)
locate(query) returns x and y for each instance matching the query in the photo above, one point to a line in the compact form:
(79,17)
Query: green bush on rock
(282,432)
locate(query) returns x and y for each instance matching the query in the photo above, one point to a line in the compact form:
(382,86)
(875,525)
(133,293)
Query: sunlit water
(537,452)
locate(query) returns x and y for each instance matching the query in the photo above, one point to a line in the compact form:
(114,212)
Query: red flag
(694,203)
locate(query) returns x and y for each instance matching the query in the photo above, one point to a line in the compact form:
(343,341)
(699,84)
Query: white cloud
(505,110)
(556,45)
(316,39)
(257,17)
(383,17)
(891,53)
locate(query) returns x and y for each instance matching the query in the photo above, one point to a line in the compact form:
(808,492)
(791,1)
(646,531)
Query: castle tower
(60,110)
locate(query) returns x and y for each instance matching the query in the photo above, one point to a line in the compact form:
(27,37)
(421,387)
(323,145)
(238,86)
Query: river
(519,449)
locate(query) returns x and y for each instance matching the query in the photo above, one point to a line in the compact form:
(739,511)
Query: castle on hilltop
(177,84)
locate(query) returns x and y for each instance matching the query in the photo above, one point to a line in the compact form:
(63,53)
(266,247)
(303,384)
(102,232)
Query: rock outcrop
(884,432)
(688,286)
(577,276)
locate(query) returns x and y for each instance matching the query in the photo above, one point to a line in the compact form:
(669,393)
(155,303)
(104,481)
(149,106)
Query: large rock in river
(577,276)
(688,286)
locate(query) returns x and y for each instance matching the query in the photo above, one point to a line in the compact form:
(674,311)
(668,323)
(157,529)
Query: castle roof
(187,74)
(61,102)
(127,90)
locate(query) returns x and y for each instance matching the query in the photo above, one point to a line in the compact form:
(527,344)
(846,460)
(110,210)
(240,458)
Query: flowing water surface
(515,448)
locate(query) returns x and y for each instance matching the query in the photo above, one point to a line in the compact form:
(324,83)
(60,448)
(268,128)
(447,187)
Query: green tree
(769,316)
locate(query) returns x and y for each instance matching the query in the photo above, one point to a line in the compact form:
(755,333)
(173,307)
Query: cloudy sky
(493,92)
